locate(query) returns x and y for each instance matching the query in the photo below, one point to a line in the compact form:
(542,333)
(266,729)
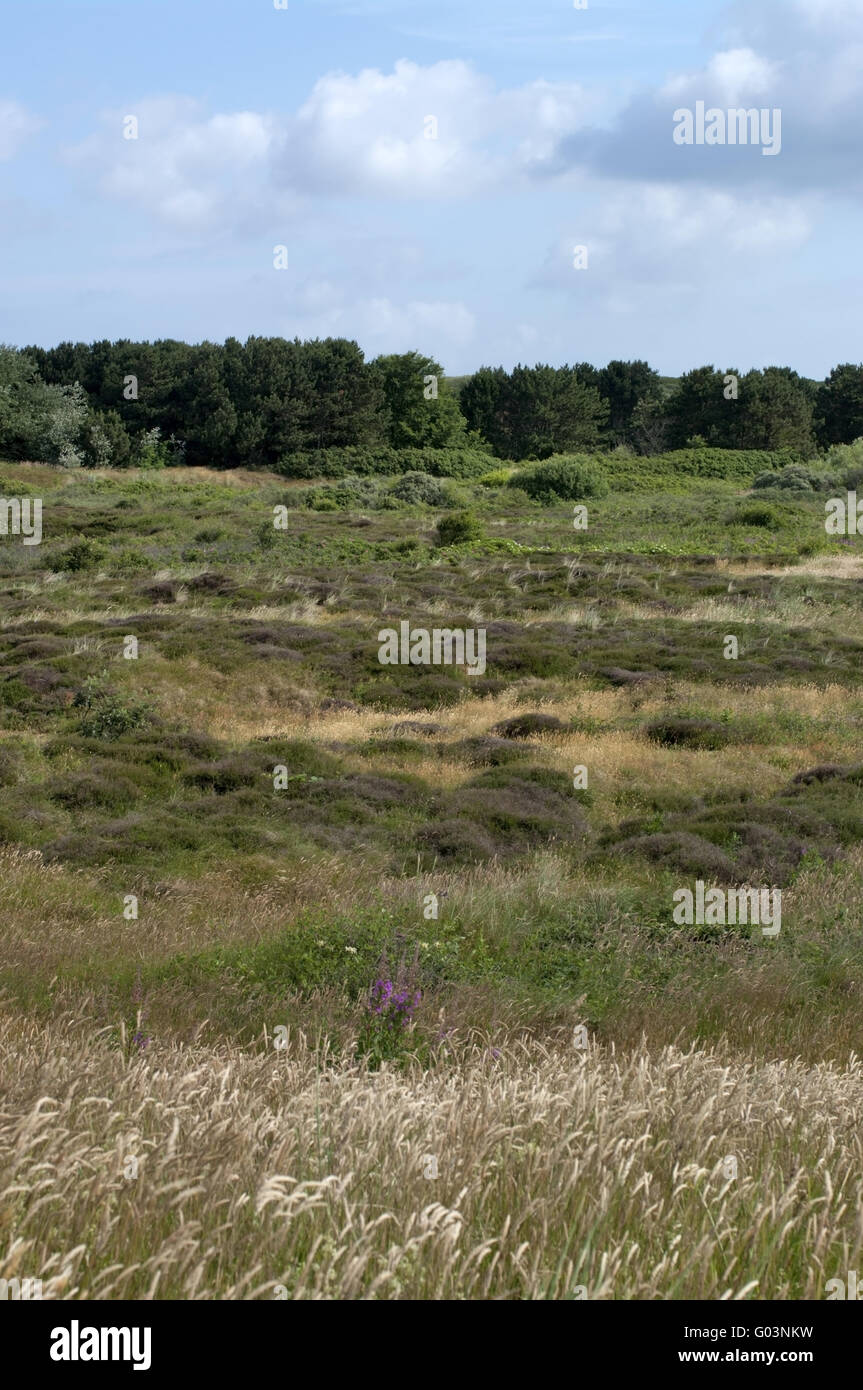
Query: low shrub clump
(563,479)
(756,515)
(366,460)
(107,715)
(421,489)
(460,528)
(795,477)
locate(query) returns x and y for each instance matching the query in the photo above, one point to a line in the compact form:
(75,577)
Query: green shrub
(794,477)
(79,791)
(563,479)
(383,460)
(846,461)
(853,479)
(756,515)
(84,554)
(667,471)
(341,496)
(266,535)
(39,421)
(421,489)
(151,451)
(106,714)
(129,561)
(460,528)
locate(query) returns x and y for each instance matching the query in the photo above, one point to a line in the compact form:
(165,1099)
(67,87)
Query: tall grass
(560,1173)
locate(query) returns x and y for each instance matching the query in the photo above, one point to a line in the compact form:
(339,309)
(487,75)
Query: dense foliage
(564,479)
(318,408)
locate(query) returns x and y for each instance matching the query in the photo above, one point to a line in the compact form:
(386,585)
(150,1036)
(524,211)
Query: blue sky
(306,127)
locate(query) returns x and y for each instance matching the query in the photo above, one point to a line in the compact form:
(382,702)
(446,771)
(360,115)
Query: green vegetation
(319,410)
(247,823)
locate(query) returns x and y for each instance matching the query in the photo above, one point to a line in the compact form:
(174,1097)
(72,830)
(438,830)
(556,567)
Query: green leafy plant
(106,714)
(460,528)
(564,479)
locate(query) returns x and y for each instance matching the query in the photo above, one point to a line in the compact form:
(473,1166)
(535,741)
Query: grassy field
(216,853)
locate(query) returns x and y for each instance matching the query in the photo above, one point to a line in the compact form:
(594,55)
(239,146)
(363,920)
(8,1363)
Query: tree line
(254,404)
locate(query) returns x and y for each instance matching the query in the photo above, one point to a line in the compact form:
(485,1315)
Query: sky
(431,169)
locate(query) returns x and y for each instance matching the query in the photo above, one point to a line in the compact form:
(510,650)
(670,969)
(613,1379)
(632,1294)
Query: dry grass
(257,713)
(781,610)
(818,567)
(558,1170)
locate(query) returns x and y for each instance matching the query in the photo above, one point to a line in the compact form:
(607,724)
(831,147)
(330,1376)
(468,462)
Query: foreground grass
(560,1173)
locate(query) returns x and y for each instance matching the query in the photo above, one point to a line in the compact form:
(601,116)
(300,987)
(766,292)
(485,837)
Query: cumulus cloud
(441,131)
(802,57)
(187,168)
(16,126)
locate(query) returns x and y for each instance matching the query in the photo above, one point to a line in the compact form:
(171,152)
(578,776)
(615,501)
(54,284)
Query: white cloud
(739,74)
(189,169)
(736,74)
(363,135)
(16,125)
(369,134)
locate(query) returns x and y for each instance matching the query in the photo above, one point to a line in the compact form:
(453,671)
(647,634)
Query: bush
(80,790)
(383,460)
(526,725)
(129,561)
(688,733)
(85,554)
(563,479)
(105,440)
(685,466)
(853,479)
(460,528)
(421,489)
(106,714)
(756,515)
(846,455)
(152,451)
(846,461)
(794,477)
(350,492)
